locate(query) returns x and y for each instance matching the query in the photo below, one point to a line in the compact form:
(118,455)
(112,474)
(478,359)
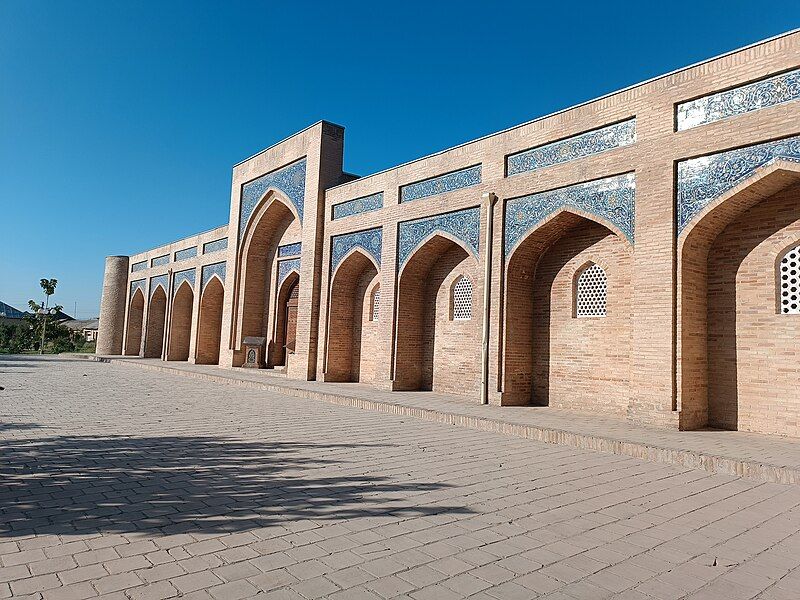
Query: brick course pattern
(690,244)
(117,484)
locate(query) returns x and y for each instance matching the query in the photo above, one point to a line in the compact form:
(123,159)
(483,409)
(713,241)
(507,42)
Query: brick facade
(683,189)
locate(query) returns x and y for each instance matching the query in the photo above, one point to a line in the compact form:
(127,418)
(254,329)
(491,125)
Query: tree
(49,288)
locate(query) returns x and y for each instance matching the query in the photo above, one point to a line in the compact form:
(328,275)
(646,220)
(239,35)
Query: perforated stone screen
(590,295)
(789,277)
(376,305)
(462,299)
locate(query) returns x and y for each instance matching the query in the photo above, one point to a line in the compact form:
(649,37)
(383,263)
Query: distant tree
(42,313)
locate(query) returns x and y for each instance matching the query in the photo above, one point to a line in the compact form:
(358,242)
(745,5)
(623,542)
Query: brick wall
(582,363)
(210,323)
(656,332)
(180,329)
(753,351)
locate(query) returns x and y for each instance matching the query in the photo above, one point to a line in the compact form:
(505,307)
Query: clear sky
(120,120)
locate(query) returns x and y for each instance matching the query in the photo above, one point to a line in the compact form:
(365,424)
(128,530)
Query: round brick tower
(112,306)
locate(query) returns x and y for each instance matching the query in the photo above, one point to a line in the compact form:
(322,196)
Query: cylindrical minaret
(112,306)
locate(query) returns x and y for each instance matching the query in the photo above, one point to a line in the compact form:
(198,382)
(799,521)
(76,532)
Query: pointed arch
(431,352)
(209,326)
(352,336)
(180,328)
(133,335)
(438,238)
(283,342)
(549,357)
(156,316)
(268,224)
(564,218)
(728,307)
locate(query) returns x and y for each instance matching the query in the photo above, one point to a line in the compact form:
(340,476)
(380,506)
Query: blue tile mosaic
(463,225)
(371,241)
(578,146)
(186,254)
(291,180)
(180,277)
(441,184)
(139,284)
(208,271)
(747,98)
(612,198)
(138,266)
(702,180)
(159,260)
(159,280)
(358,206)
(215,246)
(285,267)
(289,249)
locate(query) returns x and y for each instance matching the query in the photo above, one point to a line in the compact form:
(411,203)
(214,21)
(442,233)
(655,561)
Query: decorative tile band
(138,266)
(186,253)
(180,277)
(289,249)
(612,198)
(371,241)
(215,246)
(463,224)
(159,280)
(703,180)
(358,206)
(139,284)
(208,271)
(159,260)
(441,184)
(578,146)
(291,180)
(287,266)
(743,99)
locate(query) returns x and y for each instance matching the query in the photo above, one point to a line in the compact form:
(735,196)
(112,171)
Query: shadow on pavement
(87,484)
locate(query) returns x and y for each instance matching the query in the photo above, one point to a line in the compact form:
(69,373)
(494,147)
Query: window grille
(462,299)
(590,296)
(376,304)
(789,274)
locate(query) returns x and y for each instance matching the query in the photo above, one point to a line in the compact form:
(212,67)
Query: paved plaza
(124,483)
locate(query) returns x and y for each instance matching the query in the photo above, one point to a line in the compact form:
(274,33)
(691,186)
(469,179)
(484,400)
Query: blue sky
(120,121)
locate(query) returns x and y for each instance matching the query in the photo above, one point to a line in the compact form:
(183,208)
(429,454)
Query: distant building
(10,315)
(86,327)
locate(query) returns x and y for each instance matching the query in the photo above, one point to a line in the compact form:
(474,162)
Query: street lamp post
(44,312)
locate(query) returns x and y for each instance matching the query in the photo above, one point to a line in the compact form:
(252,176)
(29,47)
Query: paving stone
(80,574)
(310,499)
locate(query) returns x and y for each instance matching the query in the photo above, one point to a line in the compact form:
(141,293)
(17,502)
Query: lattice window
(376,304)
(590,292)
(789,278)
(462,299)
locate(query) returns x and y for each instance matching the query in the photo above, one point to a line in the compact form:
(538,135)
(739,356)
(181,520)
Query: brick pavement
(123,483)
(757,456)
